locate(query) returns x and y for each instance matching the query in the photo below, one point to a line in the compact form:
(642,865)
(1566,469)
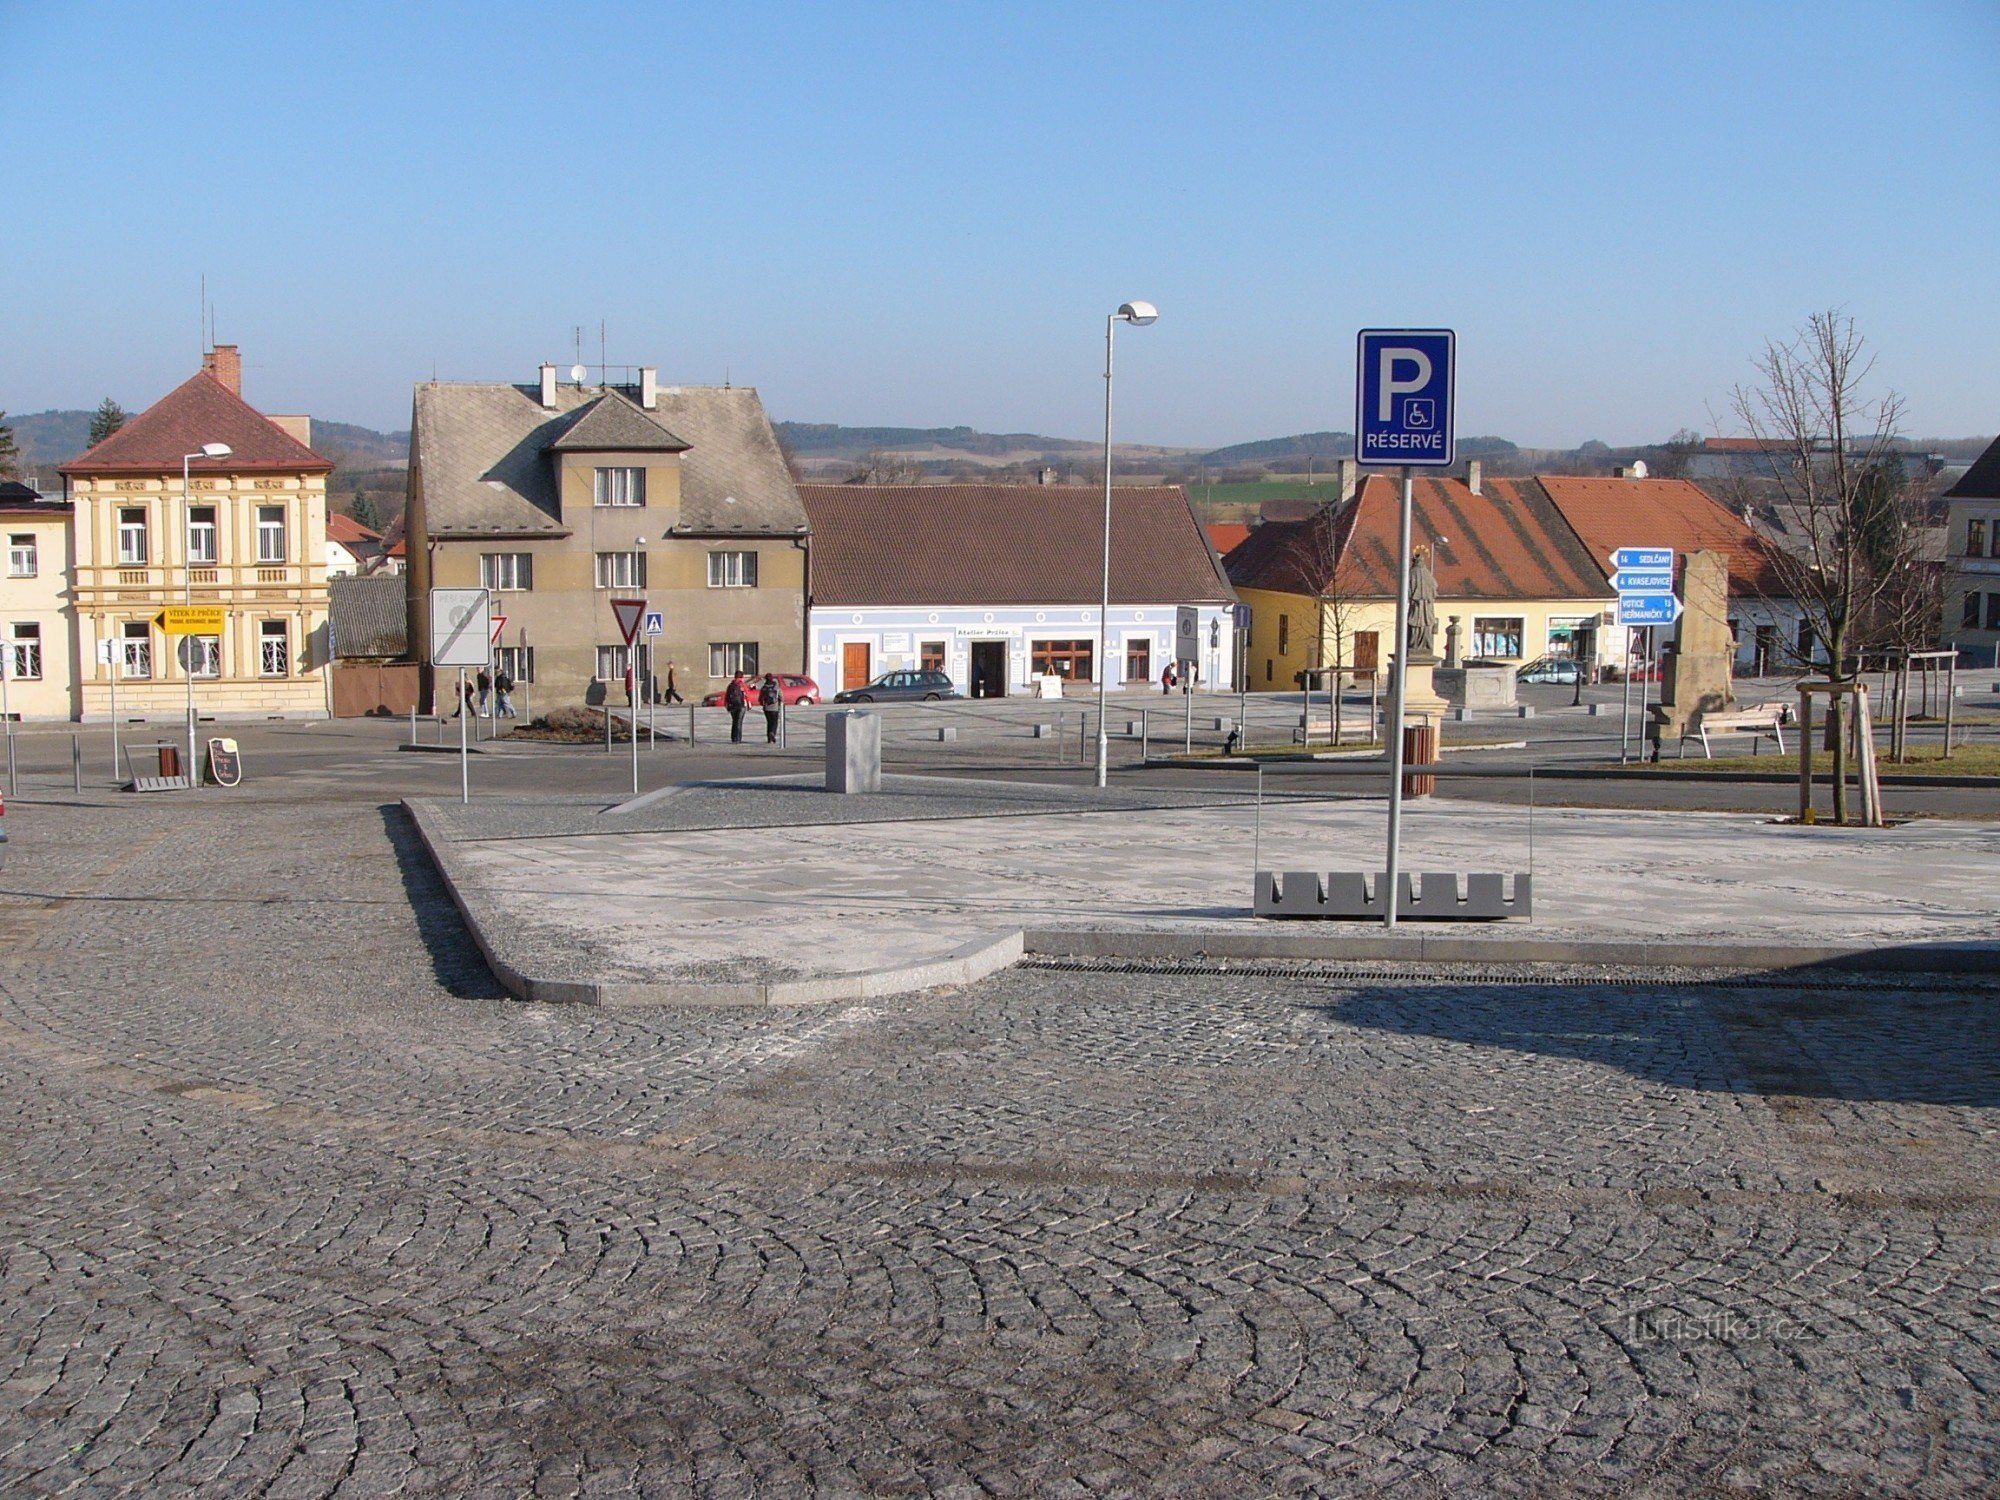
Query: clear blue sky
(919,214)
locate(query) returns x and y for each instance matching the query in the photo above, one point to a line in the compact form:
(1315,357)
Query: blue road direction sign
(1642,581)
(1648,609)
(1653,558)
(1403,397)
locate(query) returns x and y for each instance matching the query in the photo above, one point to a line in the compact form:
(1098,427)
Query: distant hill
(50,437)
(55,437)
(830,440)
(1322,447)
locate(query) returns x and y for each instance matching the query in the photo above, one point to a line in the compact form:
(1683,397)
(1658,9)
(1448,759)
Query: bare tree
(882,467)
(1853,544)
(1314,552)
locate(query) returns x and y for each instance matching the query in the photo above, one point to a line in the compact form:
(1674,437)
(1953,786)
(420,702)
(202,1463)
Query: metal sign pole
(117,662)
(1625,703)
(464,754)
(632,708)
(1393,729)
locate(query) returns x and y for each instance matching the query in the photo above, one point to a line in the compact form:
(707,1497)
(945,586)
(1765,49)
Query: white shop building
(999,585)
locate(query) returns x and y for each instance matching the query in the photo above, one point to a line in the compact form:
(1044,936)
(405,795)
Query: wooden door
(1365,649)
(854,665)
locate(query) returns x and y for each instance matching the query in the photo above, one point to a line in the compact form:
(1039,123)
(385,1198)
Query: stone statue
(1452,633)
(1423,605)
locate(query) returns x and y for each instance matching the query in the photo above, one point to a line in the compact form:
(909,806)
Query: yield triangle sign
(628,613)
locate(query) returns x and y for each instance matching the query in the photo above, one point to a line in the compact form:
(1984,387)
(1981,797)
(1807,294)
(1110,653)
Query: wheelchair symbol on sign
(1420,413)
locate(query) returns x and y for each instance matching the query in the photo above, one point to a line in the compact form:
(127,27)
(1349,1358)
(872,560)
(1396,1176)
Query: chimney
(299,429)
(225,363)
(1047,475)
(1472,475)
(649,388)
(1349,478)
(548,387)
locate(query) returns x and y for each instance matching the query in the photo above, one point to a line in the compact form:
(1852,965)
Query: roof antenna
(603,359)
(725,377)
(201,329)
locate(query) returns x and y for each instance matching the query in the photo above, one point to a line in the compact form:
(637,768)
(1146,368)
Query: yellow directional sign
(191,619)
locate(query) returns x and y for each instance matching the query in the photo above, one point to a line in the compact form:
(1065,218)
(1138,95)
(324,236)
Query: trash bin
(170,760)
(1419,749)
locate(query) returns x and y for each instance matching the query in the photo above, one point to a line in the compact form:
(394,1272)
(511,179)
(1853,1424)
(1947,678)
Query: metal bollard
(690,726)
(11,788)
(76,761)
(413,723)
(1145,734)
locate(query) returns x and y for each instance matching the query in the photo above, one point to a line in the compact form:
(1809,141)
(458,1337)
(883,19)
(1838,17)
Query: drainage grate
(1572,976)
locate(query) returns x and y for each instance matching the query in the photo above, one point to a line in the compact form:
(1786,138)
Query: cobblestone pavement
(296,1205)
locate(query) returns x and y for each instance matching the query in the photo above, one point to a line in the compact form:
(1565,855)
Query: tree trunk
(1836,725)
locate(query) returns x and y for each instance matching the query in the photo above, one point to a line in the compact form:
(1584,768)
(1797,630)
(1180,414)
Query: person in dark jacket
(771,698)
(736,698)
(673,691)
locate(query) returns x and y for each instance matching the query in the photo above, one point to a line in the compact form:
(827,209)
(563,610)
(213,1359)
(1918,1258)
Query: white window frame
(518,662)
(507,572)
(207,653)
(612,662)
(619,487)
(621,570)
(135,655)
(131,532)
(1481,640)
(267,528)
(732,570)
(272,663)
(727,658)
(201,534)
(24,555)
(24,651)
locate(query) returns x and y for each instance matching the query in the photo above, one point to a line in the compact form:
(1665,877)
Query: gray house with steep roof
(560,498)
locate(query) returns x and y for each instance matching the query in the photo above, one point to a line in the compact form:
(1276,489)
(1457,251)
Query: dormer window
(621,487)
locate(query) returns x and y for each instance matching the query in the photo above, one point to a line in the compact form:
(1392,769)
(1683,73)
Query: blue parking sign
(1403,397)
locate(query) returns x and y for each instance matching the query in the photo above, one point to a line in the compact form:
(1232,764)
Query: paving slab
(762,897)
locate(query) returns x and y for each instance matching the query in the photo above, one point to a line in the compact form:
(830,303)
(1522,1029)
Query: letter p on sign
(1388,387)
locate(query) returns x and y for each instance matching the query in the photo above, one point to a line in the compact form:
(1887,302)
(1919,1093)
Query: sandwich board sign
(628,613)
(461,627)
(1404,397)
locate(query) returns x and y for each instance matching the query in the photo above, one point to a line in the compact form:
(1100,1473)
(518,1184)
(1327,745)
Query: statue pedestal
(1420,694)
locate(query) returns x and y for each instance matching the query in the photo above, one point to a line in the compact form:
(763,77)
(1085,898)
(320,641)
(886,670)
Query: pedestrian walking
(485,689)
(736,698)
(673,692)
(503,695)
(771,698)
(468,700)
(1166,679)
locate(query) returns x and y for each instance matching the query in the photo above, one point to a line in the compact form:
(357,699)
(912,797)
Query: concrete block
(1221,725)
(1042,731)
(1525,710)
(946,732)
(853,752)
(1462,715)
(1597,710)
(1135,727)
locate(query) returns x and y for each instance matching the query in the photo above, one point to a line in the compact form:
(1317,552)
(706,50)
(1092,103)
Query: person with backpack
(503,695)
(771,698)
(736,698)
(485,682)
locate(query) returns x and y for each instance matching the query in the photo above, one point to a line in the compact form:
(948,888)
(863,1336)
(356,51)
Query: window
(1070,659)
(24,652)
(732,570)
(727,658)
(612,661)
(1496,635)
(1993,611)
(930,656)
(138,644)
(22,561)
(621,570)
(270,533)
(621,486)
(1284,634)
(132,538)
(1139,660)
(1969,613)
(201,534)
(1975,538)
(201,655)
(518,662)
(274,649)
(1566,633)
(507,572)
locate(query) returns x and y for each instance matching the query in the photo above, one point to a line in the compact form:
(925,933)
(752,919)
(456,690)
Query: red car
(796,689)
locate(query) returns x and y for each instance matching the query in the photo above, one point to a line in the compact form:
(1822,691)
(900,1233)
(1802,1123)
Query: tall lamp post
(208,450)
(1139,314)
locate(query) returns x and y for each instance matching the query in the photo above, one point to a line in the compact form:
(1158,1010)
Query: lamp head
(1139,313)
(216,450)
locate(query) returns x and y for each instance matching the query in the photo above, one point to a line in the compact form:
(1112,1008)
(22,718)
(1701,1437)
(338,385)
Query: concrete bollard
(946,732)
(1042,731)
(1525,710)
(1462,715)
(853,752)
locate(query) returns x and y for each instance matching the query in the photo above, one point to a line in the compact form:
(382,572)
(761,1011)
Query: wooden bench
(1758,720)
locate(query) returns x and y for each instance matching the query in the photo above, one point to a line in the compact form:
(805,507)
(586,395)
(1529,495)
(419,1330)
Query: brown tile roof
(348,531)
(1678,513)
(977,544)
(201,409)
(1507,542)
(1226,536)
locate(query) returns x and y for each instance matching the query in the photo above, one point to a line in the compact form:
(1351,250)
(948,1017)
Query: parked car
(1551,669)
(892,687)
(796,689)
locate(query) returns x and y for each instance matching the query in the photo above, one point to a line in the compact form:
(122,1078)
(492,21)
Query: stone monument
(1695,677)
(1451,635)
(1420,694)
(853,752)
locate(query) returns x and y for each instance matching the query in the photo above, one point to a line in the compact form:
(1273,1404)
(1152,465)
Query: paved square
(295,1204)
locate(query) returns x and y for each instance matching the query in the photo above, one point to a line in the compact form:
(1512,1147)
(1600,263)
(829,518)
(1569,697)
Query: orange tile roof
(1226,536)
(1678,513)
(201,409)
(347,531)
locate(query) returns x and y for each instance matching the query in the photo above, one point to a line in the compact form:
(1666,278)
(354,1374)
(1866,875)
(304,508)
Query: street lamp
(207,450)
(1139,314)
